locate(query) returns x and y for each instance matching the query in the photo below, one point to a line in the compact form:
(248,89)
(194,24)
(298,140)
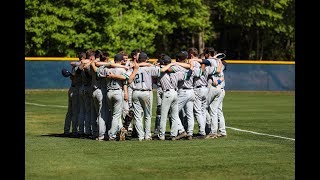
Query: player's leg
(115,100)
(158,111)
(167,99)
(87,106)
(199,111)
(222,126)
(208,122)
(104,114)
(210,113)
(147,108)
(176,122)
(188,108)
(94,115)
(75,110)
(82,111)
(213,111)
(125,109)
(68,117)
(210,98)
(137,111)
(130,126)
(97,130)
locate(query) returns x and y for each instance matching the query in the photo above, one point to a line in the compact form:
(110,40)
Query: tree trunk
(201,42)
(250,42)
(192,40)
(288,44)
(261,51)
(164,42)
(258,44)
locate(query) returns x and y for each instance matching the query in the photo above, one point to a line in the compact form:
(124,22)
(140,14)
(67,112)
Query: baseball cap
(166,59)
(65,72)
(182,55)
(118,57)
(143,56)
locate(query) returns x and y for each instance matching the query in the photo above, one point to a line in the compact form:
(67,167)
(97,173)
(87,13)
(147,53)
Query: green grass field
(243,154)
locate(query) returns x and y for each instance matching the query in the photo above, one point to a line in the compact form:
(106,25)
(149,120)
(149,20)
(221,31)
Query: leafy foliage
(62,28)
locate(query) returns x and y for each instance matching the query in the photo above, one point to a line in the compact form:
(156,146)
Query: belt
(170,89)
(200,86)
(187,88)
(142,90)
(113,89)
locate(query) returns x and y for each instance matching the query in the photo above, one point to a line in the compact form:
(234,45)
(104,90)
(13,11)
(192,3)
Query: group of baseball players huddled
(108,99)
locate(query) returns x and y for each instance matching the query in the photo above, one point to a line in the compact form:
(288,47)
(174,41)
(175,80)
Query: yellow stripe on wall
(153,60)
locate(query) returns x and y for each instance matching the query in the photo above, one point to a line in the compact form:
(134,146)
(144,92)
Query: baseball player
(169,82)
(84,120)
(73,99)
(200,90)
(105,122)
(219,82)
(95,95)
(185,93)
(98,123)
(158,100)
(156,81)
(115,80)
(128,112)
(214,91)
(142,96)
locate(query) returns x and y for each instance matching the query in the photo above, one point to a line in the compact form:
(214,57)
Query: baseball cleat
(211,136)
(100,138)
(222,135)
(111,139)
(189,137)
(173,138)
(162,138)
(201,136)
(181,135)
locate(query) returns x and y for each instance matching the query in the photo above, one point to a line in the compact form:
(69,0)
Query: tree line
(250,29)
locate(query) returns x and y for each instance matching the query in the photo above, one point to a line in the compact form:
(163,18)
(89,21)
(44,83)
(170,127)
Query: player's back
(115,83)
(143,78)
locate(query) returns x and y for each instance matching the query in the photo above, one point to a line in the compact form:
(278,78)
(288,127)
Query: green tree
(263,23)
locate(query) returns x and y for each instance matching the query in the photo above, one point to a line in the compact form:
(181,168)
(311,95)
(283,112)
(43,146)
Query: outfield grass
(242,155)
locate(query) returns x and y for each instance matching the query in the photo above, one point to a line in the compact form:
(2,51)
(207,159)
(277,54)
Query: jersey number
(137,78)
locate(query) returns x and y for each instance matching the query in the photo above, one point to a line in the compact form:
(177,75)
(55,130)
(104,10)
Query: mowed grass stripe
(233,128)
(239,156)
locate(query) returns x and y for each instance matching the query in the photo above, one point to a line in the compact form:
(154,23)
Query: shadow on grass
(130,136)
(61,135)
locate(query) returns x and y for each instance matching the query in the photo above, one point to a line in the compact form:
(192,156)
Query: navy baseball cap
(182,55)
(143,56)
(166,59)
(118,57)
(65,72)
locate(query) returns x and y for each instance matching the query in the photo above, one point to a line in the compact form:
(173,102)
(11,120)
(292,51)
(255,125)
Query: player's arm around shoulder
(134,72)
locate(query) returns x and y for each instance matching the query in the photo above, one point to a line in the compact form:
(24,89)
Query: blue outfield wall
(261,77)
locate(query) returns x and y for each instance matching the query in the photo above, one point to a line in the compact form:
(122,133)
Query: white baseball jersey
(113,84)
(143,78)
(200,78)
(186,84)
(170,80)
